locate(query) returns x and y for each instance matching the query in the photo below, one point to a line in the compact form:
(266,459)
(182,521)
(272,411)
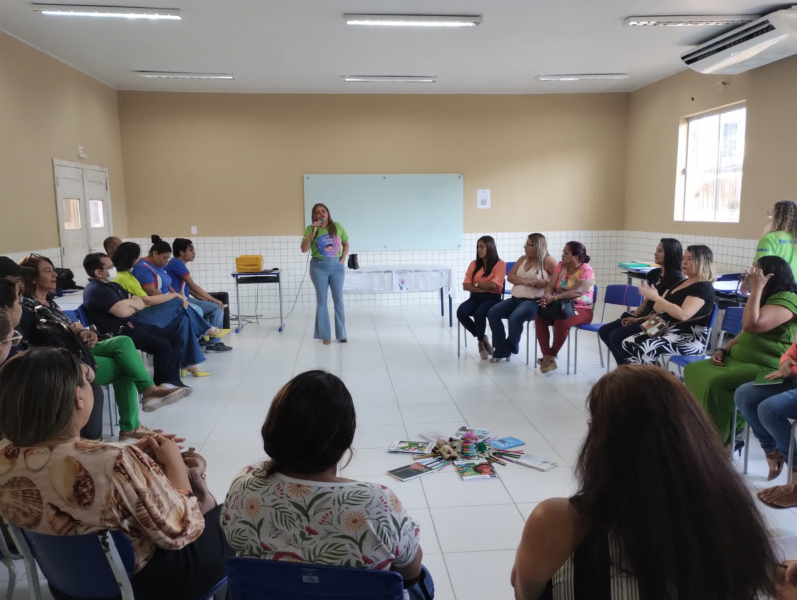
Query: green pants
(119,363)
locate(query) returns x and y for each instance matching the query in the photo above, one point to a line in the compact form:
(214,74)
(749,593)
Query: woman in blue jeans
(528,277)
(767,409)
(328,243)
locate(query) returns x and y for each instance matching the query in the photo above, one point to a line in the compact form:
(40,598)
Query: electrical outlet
(81,152)
(193,229)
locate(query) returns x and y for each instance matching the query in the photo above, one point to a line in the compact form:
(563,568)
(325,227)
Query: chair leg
(575,354)
(527,342)
(12,577)
(733,426)
(746,447)
(789,471)
(110,408)
(458,348)
(568,354)
(600,352)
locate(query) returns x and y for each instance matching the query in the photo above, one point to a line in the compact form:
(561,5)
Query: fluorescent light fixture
(583,77)
(390,78)
(183,75)
(689,20)
(413,20)
(117,12)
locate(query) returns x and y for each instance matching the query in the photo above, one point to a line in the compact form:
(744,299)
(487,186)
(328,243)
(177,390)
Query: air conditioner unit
(755,44)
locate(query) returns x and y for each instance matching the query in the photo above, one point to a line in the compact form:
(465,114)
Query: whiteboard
(391,212)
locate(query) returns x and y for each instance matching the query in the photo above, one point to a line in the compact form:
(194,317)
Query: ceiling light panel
(413,20)
(183,75)
(583,77)
(390,78)
(689,20)
(113,12)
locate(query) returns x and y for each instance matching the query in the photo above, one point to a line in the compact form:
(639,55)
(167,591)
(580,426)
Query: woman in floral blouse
(54,482)
(294,507)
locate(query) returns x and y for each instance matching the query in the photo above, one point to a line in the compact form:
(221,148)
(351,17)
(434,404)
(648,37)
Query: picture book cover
(762,380)
(475,469)
(480,433)
(410,447)
(410,471)
(534,462)
(506,443)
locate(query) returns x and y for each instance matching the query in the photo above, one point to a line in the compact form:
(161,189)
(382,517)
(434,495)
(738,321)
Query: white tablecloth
(379,279)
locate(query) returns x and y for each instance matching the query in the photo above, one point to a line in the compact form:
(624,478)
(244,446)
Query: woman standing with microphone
(328,243)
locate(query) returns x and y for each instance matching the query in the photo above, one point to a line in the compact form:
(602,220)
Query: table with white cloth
(403,279)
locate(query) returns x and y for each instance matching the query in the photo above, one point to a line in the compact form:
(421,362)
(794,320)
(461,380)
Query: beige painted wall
(233,164)
(770,167)
(48,109)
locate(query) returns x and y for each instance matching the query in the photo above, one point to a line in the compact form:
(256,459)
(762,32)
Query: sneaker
(138,433)
(197,373)
(218,347)
(155,402)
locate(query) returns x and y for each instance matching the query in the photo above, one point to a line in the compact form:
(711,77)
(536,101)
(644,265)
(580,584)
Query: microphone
(323,219)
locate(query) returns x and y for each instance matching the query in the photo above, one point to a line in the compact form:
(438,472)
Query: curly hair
(784,217)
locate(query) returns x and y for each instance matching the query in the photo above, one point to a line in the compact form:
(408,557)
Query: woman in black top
(669,255)
(687,307)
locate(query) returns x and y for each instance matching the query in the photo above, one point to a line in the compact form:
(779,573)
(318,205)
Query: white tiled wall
(54,254)
(216,260)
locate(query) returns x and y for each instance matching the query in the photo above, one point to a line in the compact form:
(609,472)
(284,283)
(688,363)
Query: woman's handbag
(353,264)
(563,309)
(655,326)
(197,476)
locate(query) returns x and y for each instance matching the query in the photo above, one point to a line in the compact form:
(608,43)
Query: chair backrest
(83,316)
(622,295)
(730,277)
(255,579)
(509,266)
(732,321)
(73,316)
(79,565)
(713,317)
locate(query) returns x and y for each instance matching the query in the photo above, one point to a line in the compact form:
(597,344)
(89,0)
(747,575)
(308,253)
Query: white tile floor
(402,368)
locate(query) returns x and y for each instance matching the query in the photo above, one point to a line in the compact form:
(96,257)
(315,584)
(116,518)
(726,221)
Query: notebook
(410,447)
(408,472)
(475,469)
(506,443)
(761,380)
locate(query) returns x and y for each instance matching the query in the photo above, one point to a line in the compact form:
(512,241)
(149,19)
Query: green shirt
(778,243)
(767,347)
(325,245)
(129,283)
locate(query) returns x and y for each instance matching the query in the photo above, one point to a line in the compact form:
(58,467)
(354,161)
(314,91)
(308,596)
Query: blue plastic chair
(9,554)
(509,267)
(73,316)
(256,579)
(83,316)
(618,295)
(731,323)
(95,565)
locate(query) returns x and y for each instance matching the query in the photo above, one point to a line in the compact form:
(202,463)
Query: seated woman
(769,323)
(74,486)
(11,306)
(484,279)
(118,362)
(568,301)
(669,255)
(309,427)
(528,277)
(632,531)
(686,307)
(209,307)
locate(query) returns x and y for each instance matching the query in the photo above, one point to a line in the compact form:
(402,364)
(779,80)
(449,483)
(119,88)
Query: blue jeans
(473,312)
(328,273)
(212,313)
(187,322)
(518,312)
(423,589)
(612,334)
(767,409)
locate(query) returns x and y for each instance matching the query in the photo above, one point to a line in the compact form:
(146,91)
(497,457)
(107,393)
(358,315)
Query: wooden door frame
(59,210)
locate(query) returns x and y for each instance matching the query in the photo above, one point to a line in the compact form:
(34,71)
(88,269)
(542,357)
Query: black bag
(353,264)
(53,334)
(224,297)
(563,309)
(65,279)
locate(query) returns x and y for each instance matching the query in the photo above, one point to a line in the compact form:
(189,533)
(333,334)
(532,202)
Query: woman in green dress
(769,324)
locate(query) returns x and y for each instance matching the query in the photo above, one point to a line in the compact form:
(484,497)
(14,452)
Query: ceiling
(303,46)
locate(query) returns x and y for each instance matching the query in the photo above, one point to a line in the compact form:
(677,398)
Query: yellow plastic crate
(249,263)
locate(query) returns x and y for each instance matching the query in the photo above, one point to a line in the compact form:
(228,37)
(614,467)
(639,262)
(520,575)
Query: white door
(84,213)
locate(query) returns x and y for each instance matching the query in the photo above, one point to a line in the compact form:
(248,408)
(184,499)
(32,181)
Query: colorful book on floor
(410,447)
(480,433)
(475,469)
(411,471)
(762,380)
(534,462)
(506,443)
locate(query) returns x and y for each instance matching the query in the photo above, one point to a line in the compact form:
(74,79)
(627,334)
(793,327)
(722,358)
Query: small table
(256,278)
(636,272)
(379,279)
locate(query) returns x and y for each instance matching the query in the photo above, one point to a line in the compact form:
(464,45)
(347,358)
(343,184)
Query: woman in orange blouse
(56,483)
(484,279)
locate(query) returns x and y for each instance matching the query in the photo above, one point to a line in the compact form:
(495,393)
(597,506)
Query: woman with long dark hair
(328,243)
(769,324)
(668,255)
(568,301)
(667,518)
(308,513)
(484,279)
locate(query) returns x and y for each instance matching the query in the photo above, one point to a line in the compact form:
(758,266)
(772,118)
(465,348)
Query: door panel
(72,222)
(97,208)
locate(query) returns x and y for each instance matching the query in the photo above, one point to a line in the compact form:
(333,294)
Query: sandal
(551,366)
(487,345)
(775,464)
(780,496)
(483,352)
(498,360)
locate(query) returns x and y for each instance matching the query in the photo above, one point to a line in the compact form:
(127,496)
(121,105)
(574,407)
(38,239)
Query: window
(71,213)
(710,159)
(96,216)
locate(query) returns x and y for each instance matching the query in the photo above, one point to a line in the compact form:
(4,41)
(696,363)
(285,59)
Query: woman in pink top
(767,409)
(567,302)
(484,279)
